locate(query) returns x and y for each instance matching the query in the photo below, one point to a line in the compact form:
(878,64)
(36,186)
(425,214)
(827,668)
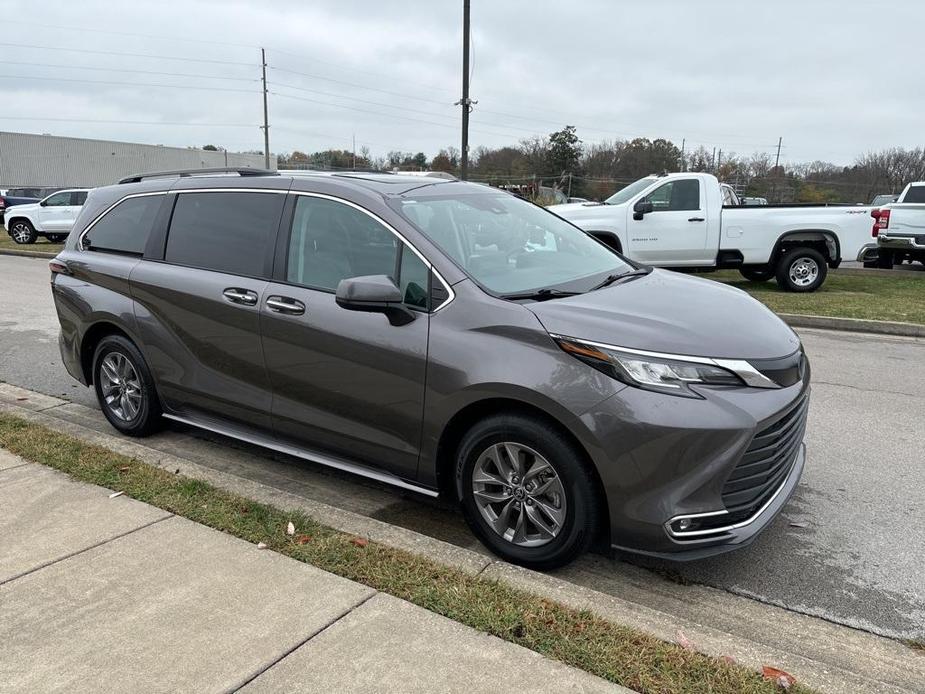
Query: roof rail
(186,173)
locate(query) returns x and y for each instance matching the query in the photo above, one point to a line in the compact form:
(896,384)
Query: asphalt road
(850,546)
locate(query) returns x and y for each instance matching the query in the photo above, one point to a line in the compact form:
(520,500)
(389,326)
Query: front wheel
(801,270)
(526,491)
(760,273)
(124,387)
(22,232)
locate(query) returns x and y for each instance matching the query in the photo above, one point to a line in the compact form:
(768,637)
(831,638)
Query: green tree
(564,153)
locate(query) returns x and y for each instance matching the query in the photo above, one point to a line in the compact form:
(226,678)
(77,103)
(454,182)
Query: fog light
(684,524)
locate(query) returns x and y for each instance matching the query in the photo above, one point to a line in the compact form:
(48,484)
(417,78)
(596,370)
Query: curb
(857,325)
(27,254)
(823,655)
(868,271)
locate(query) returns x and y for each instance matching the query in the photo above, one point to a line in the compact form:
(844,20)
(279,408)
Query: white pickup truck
(52,217)
(690,220)
(900,227)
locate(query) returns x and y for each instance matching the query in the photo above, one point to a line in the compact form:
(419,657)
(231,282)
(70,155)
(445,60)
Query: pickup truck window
(677,195)
(915,194)
(624,194)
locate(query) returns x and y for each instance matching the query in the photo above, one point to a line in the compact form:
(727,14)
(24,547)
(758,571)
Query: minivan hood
(673,313)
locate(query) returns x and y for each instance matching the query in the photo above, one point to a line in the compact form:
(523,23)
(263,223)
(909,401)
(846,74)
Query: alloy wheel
(20,232)
(121,386)
(519,494)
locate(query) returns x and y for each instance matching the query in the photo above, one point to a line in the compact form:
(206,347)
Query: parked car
(688,220)
(52,217)
(900,227)
(754,201)
(883,199)
(443,337)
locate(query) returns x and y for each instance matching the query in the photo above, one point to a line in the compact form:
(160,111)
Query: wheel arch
(466,417)
(92,337)
(608,237)
(824,240)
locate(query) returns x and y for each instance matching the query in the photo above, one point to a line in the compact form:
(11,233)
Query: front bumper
(663,459)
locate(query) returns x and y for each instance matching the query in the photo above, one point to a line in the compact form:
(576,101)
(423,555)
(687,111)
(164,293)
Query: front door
(345,382)
(676,231)
(198,308)
(54,212)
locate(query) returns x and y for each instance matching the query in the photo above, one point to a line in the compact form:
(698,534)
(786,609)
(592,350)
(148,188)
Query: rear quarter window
(126,227)
(915,194)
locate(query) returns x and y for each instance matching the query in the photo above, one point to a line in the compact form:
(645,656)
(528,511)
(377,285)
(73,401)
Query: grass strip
(575,637)
(41,244)
(873,297)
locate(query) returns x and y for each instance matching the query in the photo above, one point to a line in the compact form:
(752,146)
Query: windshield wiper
(540,294)
(610,279)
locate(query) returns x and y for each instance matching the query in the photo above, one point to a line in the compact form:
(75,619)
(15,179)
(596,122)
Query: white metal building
(47,160)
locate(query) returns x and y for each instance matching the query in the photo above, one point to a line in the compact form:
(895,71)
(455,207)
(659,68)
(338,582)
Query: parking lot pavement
(111,594)
(849,547)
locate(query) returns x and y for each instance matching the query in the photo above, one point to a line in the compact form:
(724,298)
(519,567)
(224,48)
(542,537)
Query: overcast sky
(834,79)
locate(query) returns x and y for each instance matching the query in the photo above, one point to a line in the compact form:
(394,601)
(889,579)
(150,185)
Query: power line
(129,55)
(137,72)
(359,86)
(127,122)
(129,84)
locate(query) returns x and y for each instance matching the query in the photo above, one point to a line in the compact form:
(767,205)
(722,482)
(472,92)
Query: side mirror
(642,208)
(43,204)
(374,294)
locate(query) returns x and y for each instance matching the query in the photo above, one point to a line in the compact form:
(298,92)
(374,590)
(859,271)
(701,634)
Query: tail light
(881,221)
(2,203)
(58,267)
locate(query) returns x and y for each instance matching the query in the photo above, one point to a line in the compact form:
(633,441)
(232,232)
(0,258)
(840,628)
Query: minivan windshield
(624,194)
(510,246)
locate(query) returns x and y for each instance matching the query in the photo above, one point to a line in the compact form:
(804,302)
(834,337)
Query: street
(849,547)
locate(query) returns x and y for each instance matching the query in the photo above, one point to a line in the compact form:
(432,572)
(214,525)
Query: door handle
(696,219)
(240,296)
(283,304)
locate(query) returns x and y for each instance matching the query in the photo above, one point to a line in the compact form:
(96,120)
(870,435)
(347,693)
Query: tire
(484,471)
(117,360)
(801,269)
(885,260)
(22,231)
(761,273)
(56,238)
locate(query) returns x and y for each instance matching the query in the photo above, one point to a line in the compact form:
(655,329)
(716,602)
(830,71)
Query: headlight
(661,373)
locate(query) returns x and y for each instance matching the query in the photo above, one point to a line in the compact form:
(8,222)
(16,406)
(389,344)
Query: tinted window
(414,279)
(126,227)
(676,195)
(915,194)
(58,200)
(79,198)
(331,241)
(227,232)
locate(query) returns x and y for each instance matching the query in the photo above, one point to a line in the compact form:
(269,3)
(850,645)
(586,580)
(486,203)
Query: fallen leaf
(21,399)
(115,494)
(684,642)
(124,468)
(290,529)
(177,471)
(795,524)
(783,679)
(359,541)
(729,660)
(261,545)
(303,539)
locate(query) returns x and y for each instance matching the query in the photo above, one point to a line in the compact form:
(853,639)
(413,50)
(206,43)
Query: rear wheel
(885,260)
(526,492)
(125,388)
(801,269)
(56,238)
(21,231)
(757,273)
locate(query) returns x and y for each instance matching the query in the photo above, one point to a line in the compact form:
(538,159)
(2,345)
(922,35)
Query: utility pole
(777,161)
(465,102)
(266,117)
(681,164)
(713,161)
(354,151)
(719,160)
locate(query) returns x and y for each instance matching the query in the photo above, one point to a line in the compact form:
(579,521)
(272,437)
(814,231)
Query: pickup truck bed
(900,227)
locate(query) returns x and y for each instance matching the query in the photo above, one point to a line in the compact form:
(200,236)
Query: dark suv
(446,338)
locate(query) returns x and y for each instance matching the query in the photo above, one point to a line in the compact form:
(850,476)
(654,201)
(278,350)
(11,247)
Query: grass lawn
(576,637)
(6,243)
(874,297)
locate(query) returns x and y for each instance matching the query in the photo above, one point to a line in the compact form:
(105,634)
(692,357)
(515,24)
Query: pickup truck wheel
(801,270)
(55,238)
(885,260)
(757,274)
(21,231)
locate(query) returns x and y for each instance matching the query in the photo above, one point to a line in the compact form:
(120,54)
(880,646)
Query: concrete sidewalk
(101,593)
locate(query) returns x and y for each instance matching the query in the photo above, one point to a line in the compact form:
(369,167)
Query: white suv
(52,217)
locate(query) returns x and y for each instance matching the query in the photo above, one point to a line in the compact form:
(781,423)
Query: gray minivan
(443,337)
